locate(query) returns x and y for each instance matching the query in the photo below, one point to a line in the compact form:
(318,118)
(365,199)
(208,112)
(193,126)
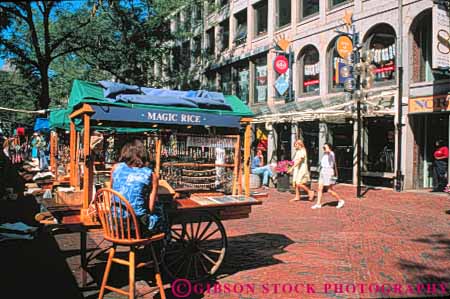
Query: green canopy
(88,92)
(59,119)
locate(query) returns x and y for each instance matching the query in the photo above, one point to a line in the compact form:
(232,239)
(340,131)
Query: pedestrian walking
(327,177)
(301,173)
(440,166)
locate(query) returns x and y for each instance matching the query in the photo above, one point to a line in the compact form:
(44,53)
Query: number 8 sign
(281,64)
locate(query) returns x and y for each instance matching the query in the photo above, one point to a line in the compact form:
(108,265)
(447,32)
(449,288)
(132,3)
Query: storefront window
(309,8)
(309,133)
(260,10)
(242,79)
(241,28)
(421,57)
(211,81)
(309,67)
(261,80)
(379,144)
(225,80)
(334,59)
(381,41)
(283,12)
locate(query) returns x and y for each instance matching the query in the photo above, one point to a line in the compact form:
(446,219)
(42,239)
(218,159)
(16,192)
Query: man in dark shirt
(440,167)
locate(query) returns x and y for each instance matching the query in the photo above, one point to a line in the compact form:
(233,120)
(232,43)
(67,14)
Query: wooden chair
(120,226)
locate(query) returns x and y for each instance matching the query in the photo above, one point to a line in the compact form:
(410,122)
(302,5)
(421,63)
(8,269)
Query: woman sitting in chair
(138,184)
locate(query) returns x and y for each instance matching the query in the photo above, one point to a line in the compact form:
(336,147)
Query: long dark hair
(133,153)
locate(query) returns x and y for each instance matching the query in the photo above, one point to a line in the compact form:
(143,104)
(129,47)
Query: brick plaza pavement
(399,240)
(287,250)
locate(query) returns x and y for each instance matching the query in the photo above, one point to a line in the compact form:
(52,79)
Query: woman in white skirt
(327,177)
(301,172)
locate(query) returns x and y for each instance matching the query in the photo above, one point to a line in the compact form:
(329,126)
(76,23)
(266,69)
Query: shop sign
(344,46)
(437,103)
(441,37)
(281,64)
(157,116)
(281,85)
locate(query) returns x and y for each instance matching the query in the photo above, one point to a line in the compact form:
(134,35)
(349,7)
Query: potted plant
(282,177)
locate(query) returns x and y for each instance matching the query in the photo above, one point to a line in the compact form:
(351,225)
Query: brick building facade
(231,48)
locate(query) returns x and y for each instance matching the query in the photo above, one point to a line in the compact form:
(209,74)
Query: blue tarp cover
(119,92)
(42,125)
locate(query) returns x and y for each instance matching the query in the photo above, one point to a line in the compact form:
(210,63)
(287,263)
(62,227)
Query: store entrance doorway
(427,128)
(284,141)
(341,137)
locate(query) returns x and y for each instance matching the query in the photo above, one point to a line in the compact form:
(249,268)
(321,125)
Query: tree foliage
(51,43)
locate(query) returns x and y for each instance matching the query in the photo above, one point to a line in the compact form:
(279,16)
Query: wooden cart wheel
(196,248)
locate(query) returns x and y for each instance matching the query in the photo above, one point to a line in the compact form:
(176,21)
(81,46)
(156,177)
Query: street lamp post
(359,77)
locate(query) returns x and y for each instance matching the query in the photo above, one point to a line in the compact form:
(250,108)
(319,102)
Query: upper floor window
(261,15)
(308,8)
(261,79)
(197,49)
(381,42)
(309,67)
(224,34)
(338,2)
(421,50)
(186,54)
(333,64)
(240,36)
(198,14)
(283,9)
(211,41)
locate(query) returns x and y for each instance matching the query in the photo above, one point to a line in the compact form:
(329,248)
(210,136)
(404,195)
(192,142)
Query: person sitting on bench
(259,168)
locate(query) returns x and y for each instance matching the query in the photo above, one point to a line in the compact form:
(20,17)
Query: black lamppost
(359,74)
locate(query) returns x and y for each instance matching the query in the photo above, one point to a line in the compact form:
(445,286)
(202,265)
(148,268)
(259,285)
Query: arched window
(309,69)
(381,40)
(421,49)
(333,63)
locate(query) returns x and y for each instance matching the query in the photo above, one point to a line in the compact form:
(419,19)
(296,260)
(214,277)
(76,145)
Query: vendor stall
(195,140)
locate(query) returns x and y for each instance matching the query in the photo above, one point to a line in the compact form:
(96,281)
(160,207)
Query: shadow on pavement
(33,268)
(244,253)
(429,272)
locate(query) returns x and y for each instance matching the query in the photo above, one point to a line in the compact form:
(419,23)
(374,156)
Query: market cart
(198,153)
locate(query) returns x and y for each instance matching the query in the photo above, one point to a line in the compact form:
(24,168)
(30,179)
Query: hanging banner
(344,46)
(281,64)
(441,37)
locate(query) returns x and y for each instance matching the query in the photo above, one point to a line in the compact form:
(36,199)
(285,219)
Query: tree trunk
(44,97)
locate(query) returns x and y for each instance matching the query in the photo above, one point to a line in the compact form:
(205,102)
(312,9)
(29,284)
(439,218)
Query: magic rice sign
(439,103)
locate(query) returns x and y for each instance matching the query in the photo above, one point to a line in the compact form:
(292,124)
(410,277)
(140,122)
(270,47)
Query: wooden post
(87,176)
(247,142)
(237,163)
(77,160)
(73,153)
(158,156)
(53,153)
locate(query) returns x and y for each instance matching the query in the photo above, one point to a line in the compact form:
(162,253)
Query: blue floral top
(134,184)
